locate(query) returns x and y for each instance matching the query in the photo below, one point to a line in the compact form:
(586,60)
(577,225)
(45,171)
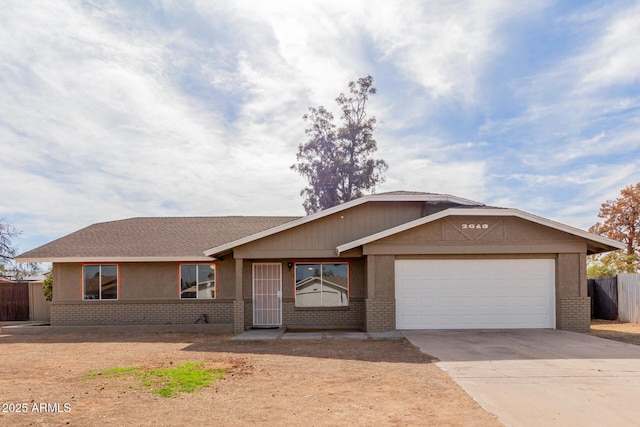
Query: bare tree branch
(8,267)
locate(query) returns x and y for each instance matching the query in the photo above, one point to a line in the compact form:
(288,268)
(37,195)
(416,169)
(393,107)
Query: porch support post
(238,303)
(370,294)
(239,279)
(371,277)
(380,303)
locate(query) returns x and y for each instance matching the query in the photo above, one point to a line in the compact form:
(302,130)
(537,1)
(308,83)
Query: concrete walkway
(42,328)
(541,377)
(283,334)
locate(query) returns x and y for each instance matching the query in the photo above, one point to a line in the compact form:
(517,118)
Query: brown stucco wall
(503,236)
(226,270)
(247,274)
(385,277)
(568,276)
(320,238)
(67,282)
(157,280)
(148,281)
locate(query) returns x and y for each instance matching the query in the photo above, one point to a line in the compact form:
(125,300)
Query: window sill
(340,308)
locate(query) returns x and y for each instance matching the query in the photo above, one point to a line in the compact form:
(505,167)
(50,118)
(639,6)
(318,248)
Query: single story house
(398,260)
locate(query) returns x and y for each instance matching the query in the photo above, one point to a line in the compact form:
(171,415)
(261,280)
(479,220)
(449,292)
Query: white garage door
(475,294)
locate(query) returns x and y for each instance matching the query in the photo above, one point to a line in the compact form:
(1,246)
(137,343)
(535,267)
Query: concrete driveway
(541,377)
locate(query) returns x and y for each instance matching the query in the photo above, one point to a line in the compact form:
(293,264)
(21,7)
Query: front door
(267,294)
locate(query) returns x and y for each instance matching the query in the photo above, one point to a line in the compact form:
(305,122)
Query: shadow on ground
(393,351)
(629,338)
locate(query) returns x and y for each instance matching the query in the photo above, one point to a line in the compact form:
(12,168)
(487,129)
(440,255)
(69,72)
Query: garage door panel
(463,294)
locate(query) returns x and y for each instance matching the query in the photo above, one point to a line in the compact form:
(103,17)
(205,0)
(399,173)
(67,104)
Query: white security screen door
(267,294)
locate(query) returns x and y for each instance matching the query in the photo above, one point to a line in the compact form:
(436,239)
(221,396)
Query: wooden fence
(38,305)
(629,298)
(604,298)
(14,301)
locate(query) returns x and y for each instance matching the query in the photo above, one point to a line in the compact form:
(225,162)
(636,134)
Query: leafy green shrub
(47,287)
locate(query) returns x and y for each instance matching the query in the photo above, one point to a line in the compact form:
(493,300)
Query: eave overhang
(112,259)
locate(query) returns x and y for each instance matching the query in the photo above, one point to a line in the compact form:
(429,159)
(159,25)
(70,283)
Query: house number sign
(475,226)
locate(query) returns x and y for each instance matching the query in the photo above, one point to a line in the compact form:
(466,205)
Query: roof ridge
(404,193)
(194,217)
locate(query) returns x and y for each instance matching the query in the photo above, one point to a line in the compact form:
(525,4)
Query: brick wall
(351,317)
(238,316)
(140,312)
(574,314)
(248,314)
(380,315)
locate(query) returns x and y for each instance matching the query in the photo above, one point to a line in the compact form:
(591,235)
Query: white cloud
(98,130)
(615,58)
(442,46)
(571,197)
(413,166)
(464,179)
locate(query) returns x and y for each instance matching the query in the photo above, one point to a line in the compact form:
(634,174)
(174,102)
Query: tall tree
(337,162)
(622,222)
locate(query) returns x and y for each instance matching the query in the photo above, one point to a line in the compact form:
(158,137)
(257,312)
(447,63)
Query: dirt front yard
(283,382)
(625,332)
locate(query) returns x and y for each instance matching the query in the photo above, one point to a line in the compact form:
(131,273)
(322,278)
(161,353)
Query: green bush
(47,287)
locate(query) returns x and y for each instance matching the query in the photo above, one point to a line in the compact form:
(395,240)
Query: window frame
(321,263)
(83,283)
(197,264)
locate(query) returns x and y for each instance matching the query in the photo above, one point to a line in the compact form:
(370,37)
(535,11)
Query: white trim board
(112,259)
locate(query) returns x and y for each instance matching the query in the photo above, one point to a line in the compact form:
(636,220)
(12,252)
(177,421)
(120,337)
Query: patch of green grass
(185,378)
(168,382)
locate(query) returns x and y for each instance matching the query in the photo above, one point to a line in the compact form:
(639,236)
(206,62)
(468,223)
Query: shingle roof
(182,238)
(179,237)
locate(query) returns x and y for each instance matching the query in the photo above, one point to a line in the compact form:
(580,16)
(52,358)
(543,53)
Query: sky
(117,109)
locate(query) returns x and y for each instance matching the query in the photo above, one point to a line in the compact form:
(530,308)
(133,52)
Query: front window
(322,285)
(198,281)
(100,281)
